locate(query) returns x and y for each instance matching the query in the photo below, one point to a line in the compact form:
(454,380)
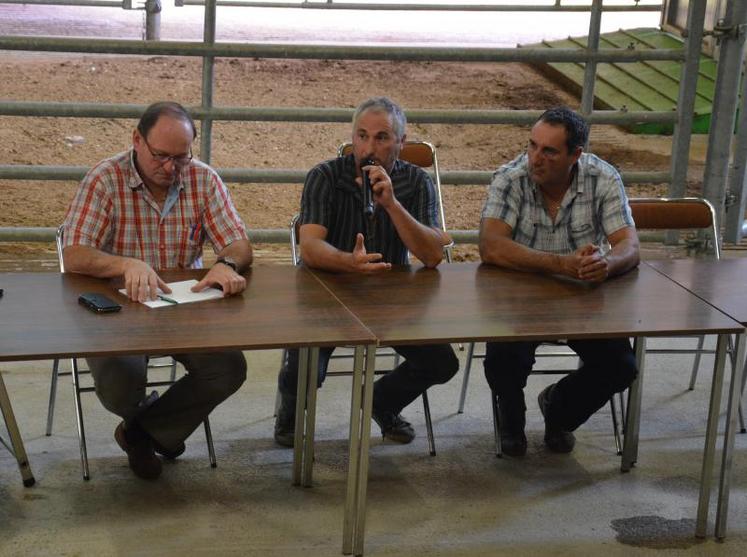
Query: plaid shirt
(114,212)
(594,207)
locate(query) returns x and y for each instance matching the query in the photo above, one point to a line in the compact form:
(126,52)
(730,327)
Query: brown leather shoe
(140,454)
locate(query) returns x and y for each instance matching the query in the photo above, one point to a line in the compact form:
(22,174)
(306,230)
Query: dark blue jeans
(607,367)
(423,366)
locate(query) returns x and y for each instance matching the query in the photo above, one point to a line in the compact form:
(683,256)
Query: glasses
(179,160)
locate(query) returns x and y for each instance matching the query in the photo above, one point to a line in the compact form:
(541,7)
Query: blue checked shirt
(594,207)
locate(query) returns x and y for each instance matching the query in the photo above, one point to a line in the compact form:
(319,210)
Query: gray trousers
(211,378)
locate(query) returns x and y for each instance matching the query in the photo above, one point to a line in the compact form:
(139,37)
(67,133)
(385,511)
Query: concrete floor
(464,501)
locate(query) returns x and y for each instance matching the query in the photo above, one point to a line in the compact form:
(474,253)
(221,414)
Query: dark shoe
(169,454)
(139,448)
(285,423)
(511,419)
(556,439)
(394,427)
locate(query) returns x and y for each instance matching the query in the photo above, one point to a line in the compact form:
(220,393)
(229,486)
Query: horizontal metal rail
(331,52)
(329,5)
(284,176)
(303,114)
(81,3)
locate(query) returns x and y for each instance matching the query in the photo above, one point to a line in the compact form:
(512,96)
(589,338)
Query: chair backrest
(422,154)
(295,237)
(59,237)
(676,213)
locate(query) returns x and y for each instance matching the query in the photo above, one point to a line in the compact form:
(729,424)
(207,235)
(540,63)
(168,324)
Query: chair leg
(496,425)
(623,411)
(429,424)
(696,363)
(52,396)
(211,448)
(615,426)
(79,417)
(465,378)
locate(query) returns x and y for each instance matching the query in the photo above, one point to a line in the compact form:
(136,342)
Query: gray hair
(384,104)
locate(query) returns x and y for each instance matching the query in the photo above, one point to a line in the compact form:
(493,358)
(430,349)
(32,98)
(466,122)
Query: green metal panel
(648,85)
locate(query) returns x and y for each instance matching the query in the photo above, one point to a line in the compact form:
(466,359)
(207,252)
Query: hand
(142,282)
(367,262)
(223,276)
(588,264)
(381,185)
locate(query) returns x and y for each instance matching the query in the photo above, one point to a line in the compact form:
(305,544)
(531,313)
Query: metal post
(590,72)
(686,98)
(153,20)
(724,104)
(208,67)
(737,186)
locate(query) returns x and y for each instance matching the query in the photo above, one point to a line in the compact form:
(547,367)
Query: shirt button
(162,246)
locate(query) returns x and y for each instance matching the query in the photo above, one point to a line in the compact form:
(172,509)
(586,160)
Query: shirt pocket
(192,238)
(581,233)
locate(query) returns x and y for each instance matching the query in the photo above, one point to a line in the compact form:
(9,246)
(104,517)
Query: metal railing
(208,113)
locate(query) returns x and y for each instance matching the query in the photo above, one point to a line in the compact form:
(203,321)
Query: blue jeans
(607,367)
(423,366)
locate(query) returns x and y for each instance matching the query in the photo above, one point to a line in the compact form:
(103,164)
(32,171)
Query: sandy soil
(251,82)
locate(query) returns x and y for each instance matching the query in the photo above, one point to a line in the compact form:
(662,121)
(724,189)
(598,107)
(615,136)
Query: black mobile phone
(98,302)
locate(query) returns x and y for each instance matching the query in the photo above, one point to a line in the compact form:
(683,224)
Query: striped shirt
(332,199)
(594,207)
(114,212)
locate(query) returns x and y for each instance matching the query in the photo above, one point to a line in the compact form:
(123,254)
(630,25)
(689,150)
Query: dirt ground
(259,82)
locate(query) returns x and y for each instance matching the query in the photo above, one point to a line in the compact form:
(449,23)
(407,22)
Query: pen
(167,299)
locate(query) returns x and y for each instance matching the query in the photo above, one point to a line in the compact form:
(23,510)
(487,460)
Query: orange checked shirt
(114,212)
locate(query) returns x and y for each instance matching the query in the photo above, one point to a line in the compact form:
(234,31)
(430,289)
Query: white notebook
(181,294)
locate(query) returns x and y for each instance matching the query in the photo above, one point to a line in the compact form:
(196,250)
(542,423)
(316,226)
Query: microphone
(368,206)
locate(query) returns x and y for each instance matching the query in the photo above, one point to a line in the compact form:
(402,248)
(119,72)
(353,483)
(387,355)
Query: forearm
(623,257)
(422,241)
(241,252)
(319,254)
(91,261)
(504,252)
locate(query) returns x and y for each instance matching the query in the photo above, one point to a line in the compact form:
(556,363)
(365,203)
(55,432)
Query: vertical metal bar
(724,106)
(15,436)
(735,392)
(79,418)
(465,378)
(360,503)
(298,441)
(737,185)
(311,388)
(208,72)
(153,20)
(706,475)
(590,71)
(52,396)
(348,525)
(633,422)
(686,102)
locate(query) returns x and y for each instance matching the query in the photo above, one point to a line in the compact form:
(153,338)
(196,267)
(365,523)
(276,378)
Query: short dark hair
(576,128)
(164,108)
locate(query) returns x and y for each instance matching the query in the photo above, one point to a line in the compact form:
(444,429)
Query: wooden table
(472,302)
(721,283)
(282,306)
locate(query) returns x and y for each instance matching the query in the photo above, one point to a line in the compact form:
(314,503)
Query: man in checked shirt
(144,210)
(551,210)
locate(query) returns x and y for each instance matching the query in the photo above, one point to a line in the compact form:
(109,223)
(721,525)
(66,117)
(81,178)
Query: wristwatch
(228,261)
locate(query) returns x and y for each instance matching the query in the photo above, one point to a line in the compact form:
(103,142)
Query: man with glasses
(559,211)
(144,210)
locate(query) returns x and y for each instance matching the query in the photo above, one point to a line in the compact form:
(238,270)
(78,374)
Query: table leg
(633,422)
(706,476)
(735,392)
(311,389)
(16,442)
(298,441)
(348,526)
(360,512)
